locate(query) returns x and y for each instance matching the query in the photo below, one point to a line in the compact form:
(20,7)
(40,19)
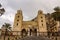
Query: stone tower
(18,21)
(41,22)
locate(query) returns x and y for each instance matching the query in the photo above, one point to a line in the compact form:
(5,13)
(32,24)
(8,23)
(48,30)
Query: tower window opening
(42,24)
(17,24)
(41,20)
(18,16)
(41,17)
(17,20)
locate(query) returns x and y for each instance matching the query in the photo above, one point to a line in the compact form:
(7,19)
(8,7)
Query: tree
(7,28)
(57,9)
(2,10)
(50,24)
(56,15)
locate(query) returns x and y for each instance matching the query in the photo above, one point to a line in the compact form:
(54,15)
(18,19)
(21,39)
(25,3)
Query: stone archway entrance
(33,32)
(23,33)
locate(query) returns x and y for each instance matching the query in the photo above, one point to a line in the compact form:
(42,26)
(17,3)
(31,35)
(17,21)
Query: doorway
(23,33)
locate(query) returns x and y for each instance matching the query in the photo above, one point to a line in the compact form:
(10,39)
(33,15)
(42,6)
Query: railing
(15,35)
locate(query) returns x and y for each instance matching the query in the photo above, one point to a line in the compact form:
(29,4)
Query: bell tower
(18,21)
(41,22)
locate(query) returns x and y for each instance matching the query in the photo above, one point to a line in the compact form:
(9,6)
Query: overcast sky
(28,7)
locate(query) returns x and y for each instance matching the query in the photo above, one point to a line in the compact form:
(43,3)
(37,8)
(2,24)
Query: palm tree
(7,28)
(2,10)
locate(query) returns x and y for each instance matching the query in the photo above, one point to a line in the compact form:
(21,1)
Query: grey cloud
(2,21)
(29,8)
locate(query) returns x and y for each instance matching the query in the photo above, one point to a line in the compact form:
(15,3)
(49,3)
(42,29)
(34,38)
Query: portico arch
(23,33)
(35,32)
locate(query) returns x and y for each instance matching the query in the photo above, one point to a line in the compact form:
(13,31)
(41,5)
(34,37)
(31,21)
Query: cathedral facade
(35,26)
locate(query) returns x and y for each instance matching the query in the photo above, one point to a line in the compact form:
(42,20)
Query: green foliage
(7,26)
(56,14)
(2,10)
(57,8)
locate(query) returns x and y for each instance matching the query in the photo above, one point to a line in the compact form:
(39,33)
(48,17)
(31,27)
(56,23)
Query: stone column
(28,32)
(37,32)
